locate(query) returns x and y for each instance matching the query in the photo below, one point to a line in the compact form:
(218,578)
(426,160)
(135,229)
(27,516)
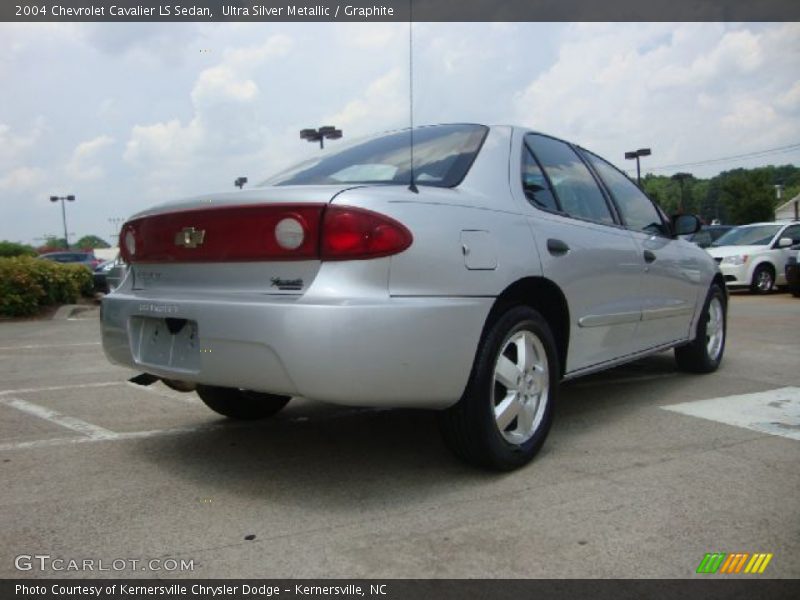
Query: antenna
(411,186)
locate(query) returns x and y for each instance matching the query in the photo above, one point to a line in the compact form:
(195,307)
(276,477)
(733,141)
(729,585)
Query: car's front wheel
(241,404)
(763,279)
(704,353)
(505,413)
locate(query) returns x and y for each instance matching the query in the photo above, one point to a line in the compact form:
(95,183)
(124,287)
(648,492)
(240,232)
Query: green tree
(52,243)
(91,241)
(9,249)
(748,196)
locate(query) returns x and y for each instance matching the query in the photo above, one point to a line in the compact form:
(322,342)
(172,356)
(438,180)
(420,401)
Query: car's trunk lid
(226,243)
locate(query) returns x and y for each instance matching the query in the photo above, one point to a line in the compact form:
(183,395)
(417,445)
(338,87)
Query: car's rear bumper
(371,352)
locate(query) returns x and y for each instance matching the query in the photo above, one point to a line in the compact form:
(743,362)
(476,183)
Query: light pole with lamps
(320,135)
(69,198)
(636,154)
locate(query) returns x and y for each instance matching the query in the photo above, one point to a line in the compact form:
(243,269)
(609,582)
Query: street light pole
(636,154)
(70,198)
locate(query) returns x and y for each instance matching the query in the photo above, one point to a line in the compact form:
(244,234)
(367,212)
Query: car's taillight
(262,232)
(127,243)
(355,233)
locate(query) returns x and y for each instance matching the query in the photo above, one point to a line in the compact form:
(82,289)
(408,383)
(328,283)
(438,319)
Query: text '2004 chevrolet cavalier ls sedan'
(506,262)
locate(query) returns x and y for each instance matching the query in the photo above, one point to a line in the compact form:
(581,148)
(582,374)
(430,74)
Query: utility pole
(680,178)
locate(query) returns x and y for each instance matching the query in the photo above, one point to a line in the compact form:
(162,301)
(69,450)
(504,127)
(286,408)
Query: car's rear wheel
(704,354)
(241,404)
(506,411)
(763,280)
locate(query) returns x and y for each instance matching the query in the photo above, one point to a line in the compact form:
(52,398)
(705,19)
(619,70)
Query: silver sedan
(470,273)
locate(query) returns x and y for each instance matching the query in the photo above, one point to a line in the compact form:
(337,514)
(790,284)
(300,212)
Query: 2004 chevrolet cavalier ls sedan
(506,262)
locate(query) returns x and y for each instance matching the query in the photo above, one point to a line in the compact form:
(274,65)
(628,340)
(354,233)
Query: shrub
(8,249)
(28,284)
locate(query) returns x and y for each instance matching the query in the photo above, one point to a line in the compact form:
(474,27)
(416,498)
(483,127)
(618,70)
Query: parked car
(108,274)
(754,256)
(708,234)
(505,262)
(793,272)
(84,258)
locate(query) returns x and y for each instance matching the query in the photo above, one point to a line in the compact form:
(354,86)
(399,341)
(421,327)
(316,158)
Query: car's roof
(65,252)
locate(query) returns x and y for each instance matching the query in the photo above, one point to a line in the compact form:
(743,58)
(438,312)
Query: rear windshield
(442,156)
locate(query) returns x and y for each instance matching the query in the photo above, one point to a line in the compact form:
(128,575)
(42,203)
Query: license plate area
(165,342)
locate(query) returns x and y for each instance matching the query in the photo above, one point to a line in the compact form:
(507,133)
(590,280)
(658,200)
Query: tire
(704,353)
(763,279)
(477,429)
(241,404)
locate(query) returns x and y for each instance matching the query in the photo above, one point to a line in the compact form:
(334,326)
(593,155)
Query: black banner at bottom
(400,589)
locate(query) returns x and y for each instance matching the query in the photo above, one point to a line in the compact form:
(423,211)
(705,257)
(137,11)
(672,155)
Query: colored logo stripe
(711,562)
(758,563)
(734,562)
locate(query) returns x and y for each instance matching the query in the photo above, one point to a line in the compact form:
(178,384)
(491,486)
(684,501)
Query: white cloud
(84,164)
(223,122)
(221,84)
(15,146)
(22,179)
(694,91)
(383,101)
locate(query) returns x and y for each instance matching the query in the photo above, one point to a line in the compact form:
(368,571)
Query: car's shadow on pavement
(334,456)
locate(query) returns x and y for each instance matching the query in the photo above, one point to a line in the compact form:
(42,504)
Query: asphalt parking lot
(96,468)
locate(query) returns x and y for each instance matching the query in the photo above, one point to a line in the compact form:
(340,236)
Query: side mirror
(784,242)
(685,224)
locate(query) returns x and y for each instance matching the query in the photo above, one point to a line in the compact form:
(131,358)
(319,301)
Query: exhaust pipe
(145,379)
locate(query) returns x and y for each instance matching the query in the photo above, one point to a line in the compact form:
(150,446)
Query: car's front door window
(638,212)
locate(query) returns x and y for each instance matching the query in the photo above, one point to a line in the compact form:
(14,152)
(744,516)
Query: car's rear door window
(637,210)
(535,184)
(574,185)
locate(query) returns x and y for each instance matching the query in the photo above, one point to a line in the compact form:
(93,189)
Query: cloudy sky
(128,115)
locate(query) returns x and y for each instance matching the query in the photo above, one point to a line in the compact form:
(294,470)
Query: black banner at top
(398,10)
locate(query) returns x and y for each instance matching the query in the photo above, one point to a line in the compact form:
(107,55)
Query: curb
(76,312)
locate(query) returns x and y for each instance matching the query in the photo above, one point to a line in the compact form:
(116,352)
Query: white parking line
(130,435)
(58,388)
(90,431)
(42,346)
(775,412)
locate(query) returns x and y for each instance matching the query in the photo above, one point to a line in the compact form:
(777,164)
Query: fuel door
(479,250)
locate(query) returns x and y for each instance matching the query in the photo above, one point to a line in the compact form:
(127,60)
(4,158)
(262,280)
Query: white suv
(755,255)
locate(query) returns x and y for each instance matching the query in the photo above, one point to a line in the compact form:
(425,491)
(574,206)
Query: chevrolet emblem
(189,237)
